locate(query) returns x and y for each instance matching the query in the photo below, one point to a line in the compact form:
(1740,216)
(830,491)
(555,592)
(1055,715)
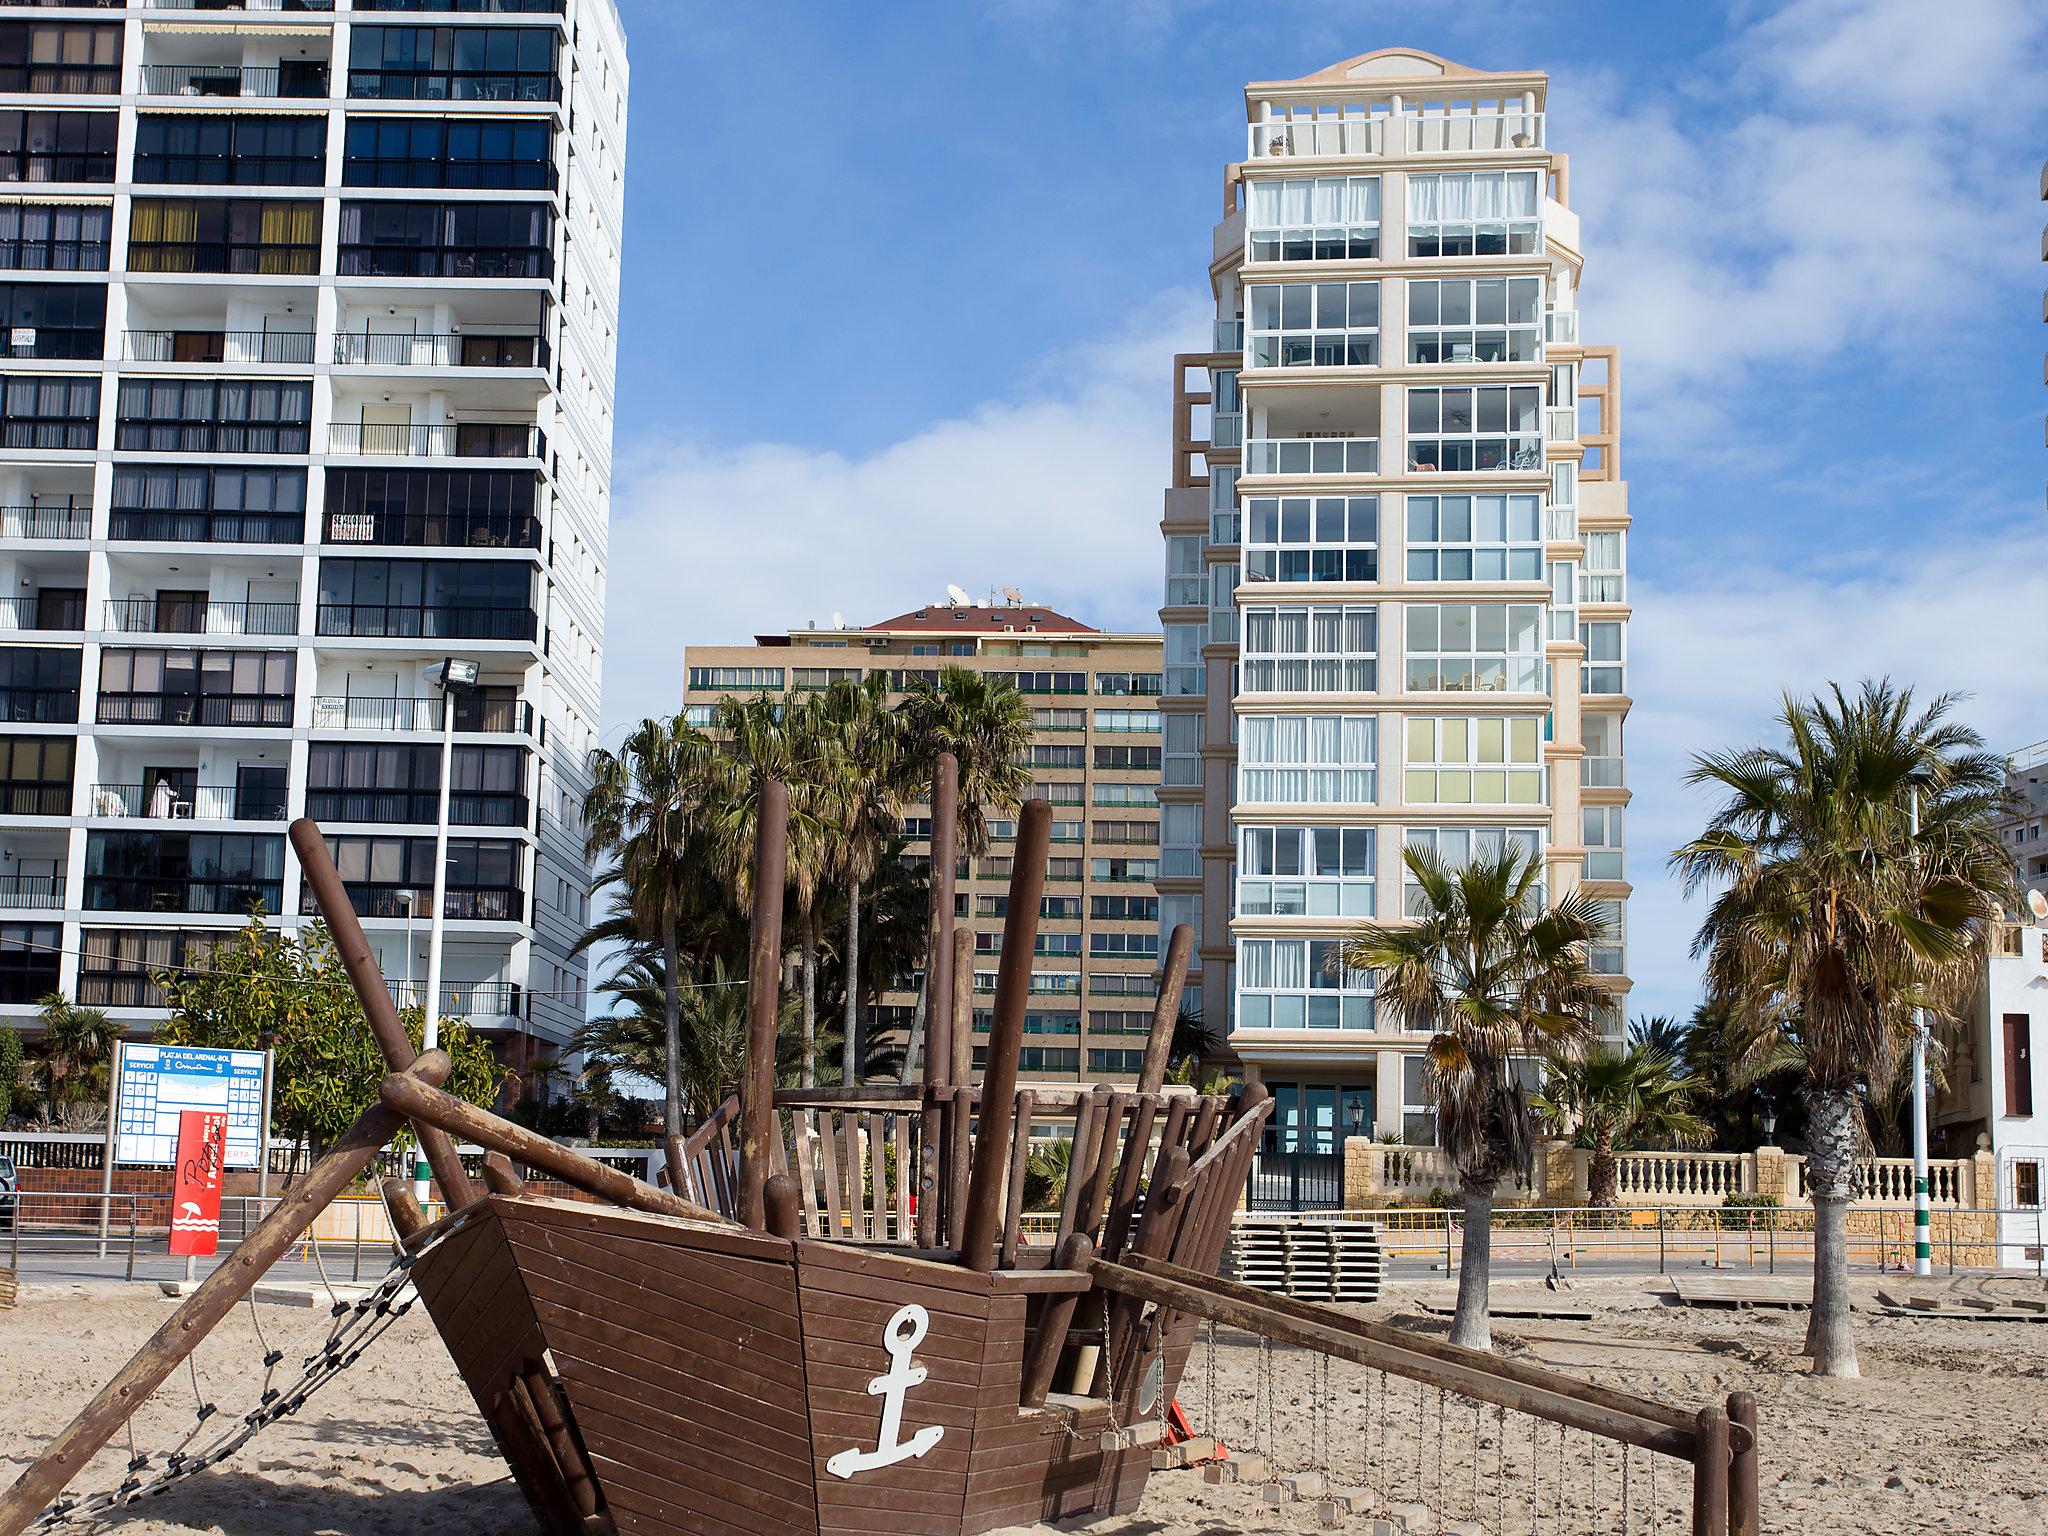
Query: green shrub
(1747,1202)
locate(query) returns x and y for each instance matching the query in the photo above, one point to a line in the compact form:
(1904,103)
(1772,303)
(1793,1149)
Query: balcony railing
(34,798)
(61,79)
(505,716)
(1560,424)
(463,999)
(39,706)
(434,530)
(66,613)
(415,807)
(203,802)
(1602,773)
(1226,429)
(1561,325)
(45,522)
(455,85)
(233,80)
(397,621)
(1461,455)
(457,440)
(229,895)
(1561,525)
(1437,133)
(438,350)
(239,5)
(1355,132)
(39,893)
(1230,334)
(199,711)
(242,258)
(171,616)
(220,346)
(133,525)
(1312,456)
(1602,587)
(487,904)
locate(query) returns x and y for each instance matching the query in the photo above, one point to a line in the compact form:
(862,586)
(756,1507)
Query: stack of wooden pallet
(10,1288)
(1308,1260)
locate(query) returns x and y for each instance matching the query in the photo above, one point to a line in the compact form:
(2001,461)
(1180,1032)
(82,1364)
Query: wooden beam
(1745,1507)
(759,1129)
(938,981)
(202,1311)
(500,1178)
(1049,1340)
(1166,1009)
(1710,1473)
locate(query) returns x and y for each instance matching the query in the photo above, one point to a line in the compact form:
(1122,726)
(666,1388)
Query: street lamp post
(1923,1244)
(451,675)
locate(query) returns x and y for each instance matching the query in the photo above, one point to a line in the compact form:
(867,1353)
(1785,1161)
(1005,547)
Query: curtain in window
(1328,200)
(1424,199)
(1296,201)
(1362,200)
(1520,195)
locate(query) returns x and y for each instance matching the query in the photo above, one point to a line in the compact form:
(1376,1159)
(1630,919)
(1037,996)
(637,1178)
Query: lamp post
(453,675)
(1923,1244)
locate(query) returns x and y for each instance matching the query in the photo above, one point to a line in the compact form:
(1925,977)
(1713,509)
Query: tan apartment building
(1395,609)
(1095,699)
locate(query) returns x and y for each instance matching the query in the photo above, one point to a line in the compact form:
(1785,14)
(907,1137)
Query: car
(10,1191)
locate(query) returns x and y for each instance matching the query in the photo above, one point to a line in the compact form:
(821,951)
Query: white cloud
(1054,490)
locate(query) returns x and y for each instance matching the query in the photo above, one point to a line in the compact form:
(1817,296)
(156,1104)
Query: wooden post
(361,965)
(1710,1473)
(1745,1504)
(408,1221)
(1006,1037)
(1020,1158)
(963,1006)
(202,1311)
(759,1131)
(938,978)
(960,1122)
(677,1159)
(780,1198)
(1166,1009)
(499,1176)
(1042,1354)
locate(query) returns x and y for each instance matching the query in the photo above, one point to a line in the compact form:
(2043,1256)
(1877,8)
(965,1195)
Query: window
(192,687)
(442,152)
(1135,684)
(1124,831)
(1310,650)
(389,783)
(54,237)
(447,508)
(1605,670)
(224,872)
(1059,719)
(58,146)
(39,685)
(1603,842)
(1144,871)
(74,58)
(1474,213)
(1312,538)
(1305,872)
(1126,720)
(49,412)
(1115,1061)
(1476,427)
(1123,909)
(1313,218)
(1475,319)
(735,677)
(30,954)
(271,150)
(427,599)
(2026,1174)
(35,775)
(1313,325)
(483,876)
(1180,838)
(1124,946)
(1475,538)
(1117,794)
(1300,984)
(453,63)
(1046,755)
(1600,573)
(1475,648)
(1181,750)
(64,319)
(416,239)
(116,966)
(235,235)
(1455,847)
(1609,956)
(214,415)
(1119,759)
(1601,767)
(1460,760)
(1307,759)
(1051,682)
(2019,1065)
(1184,666)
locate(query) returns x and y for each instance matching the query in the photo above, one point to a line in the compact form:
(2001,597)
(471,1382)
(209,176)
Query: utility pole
(450,675)
(1923,1246)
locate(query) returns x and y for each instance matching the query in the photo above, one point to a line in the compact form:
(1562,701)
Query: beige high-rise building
(1095,698)
(1396,608)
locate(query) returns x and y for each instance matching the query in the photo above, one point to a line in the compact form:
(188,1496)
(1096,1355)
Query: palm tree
(78,1045)
(1835,918)
(1492,977)
(863,738)
(644,813)
(982,719)
(1658,1032)
(1604,1100)
(713,1038)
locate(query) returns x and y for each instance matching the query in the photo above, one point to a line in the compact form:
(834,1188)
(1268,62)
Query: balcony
(1560,424)
(36,893)
(227,895)
(35,797)
(472,713)
(1351,129)
(161,801)
(1482,454)
(298,80)
(534,85)
(464,999)
(1602,773)
(67,522)
(480,904)
(167,615)
(1450,133)
(203,711)
(198,346)
(456,440)
(416,807)
(1226,429)
(135,525)
(39,706)
(45,611)
(1561,525)
(416,621)
(414,349)
(1561,325)
(51,79)
(239,5)
(436,530)
(1230,334)
(1312,456)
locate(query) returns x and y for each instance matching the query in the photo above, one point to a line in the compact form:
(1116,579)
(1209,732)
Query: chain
(353,1328)
(1214,1423)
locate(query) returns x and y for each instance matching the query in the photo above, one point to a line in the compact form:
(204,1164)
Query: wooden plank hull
(711,1380)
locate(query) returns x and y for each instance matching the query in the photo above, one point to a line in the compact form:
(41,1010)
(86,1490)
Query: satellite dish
(839,621)
(2037,904)
(1013,595)
(959,597)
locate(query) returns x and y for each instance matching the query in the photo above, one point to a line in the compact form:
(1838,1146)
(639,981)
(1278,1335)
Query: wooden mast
(938,987)
(759,1132)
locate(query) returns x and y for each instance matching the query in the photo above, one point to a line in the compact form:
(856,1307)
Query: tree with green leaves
(1493,977)
(1658,1032)
(863,741)
(262,989)
(78,1056)
(12,1087)
(712,1039)
(1606,1101)
(1833,918)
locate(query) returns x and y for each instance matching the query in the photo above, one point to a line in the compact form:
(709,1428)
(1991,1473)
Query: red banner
(195,1199)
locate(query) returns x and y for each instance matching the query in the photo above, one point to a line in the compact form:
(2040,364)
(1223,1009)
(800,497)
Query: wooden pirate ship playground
(830,1320)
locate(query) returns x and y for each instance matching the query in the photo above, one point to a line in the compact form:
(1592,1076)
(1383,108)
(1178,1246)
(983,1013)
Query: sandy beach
(1947,1432)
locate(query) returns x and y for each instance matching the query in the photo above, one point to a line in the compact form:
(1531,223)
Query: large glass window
(245,150)
(453,63)
(35,775)
(54,237)
(1305,871)
(1600,573)
(414,239)
(1320,325)
(427,599)
(1306,759)
(193,687)
(238,235)
(456,508)
(1310,650)
(1603,839)
(1475,319)
(1474,213)
(225,872)
(1301,984)
(1127,720)
(1602,766)
(49,412)
(31,953)
(214,415)
(1456,847)
(1462,760)
(58,146)
(54,319)
(386,876)
(1475,648)
(448,152)
(201,504)
(1466,427)
(1605,669)
(388,783)
(1312,538)
(1475,538)
(74,58)
(1313,218)
(39,685)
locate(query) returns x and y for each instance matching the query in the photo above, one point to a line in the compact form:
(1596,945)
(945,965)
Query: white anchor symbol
(905,1331)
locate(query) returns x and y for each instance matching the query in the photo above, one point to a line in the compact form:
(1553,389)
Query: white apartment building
(1396,605)
(311,317)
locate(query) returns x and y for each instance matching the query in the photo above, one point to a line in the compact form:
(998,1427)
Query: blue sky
(903,284)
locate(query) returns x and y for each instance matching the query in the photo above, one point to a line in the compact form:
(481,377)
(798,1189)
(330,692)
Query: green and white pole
(431,1035)
(1923,1245)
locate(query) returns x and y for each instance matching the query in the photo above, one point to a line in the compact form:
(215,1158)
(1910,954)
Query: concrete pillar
(1386,1098)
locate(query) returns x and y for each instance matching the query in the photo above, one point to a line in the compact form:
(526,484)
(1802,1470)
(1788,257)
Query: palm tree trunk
(1831,1180)
(809,1077)
(849,1048)
(1600,1174)
(672,1026)
(1472,1325)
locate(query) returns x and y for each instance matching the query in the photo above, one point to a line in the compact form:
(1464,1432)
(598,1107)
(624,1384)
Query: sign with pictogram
(195,1196)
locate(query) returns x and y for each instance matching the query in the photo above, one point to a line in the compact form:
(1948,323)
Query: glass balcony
(296,79)
(489,904)
(62,522)
(1351,129)
(416,807)
(1230,334)
(173,615)
(135,525)
(473,712)
(39,706)
(401,621)
(440,350)
(1226,429)
(436,530)
(1561,325)
(1602,772)
(1312,456)
(454,440)
(1560,424)
(228,895)
(195,710)
(1450,133)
